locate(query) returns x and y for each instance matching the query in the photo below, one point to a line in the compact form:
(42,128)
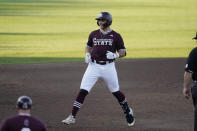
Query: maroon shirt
(22,122)
(101,43)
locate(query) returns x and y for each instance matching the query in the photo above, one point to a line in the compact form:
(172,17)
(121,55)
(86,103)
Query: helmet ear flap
(105,16)
(98,23)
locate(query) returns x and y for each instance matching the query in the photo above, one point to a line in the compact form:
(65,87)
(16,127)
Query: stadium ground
(153,87)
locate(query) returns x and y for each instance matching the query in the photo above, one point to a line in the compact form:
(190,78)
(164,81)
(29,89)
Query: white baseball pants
(94,71)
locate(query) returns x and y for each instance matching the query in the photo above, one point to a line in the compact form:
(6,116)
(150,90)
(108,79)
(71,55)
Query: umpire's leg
(194,97)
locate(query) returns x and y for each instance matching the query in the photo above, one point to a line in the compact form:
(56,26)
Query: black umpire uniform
(191,74)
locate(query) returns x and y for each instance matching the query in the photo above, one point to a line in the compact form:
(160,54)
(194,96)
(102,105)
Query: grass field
(34,31)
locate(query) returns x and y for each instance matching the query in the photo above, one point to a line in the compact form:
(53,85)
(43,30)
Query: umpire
(189,75)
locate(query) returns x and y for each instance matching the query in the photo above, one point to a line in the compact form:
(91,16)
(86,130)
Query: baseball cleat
(69,120)
(130,118)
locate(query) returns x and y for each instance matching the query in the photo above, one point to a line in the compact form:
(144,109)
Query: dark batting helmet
(24,103)
(105,16)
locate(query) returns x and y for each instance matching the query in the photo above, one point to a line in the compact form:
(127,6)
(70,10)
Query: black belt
(101,62)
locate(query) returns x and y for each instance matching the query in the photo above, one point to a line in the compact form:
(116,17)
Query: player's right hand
(88,58)
(186,93)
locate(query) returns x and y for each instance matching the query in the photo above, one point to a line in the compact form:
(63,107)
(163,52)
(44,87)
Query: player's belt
(101,62)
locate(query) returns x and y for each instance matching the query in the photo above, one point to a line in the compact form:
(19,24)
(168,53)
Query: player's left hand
(111,55)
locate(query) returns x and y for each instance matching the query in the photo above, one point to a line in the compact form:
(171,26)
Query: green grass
(32,60)
(35,31)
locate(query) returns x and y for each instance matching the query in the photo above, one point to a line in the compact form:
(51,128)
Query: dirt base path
(153,87)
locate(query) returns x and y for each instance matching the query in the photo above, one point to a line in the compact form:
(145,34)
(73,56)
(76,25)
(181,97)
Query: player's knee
(83,91)
(119,95)
(81,95)
(114,88)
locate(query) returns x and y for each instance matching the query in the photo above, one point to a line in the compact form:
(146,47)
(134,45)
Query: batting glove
(111,55)
(88,58)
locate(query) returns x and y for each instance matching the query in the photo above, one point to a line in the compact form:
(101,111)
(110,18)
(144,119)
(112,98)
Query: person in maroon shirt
(103,47)
(23,121)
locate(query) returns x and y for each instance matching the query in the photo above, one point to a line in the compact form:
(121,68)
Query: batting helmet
(24,103)
(105,16)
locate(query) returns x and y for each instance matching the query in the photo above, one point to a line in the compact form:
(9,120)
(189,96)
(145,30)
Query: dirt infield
(153,87)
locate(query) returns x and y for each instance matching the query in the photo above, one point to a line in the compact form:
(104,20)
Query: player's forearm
(122,53)
(88,49)
(187,80)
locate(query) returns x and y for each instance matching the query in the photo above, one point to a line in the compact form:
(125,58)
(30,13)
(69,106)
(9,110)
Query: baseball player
(103,47)
(23,121)
(189,75)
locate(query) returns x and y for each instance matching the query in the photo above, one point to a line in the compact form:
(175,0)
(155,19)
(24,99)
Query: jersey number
(25,129)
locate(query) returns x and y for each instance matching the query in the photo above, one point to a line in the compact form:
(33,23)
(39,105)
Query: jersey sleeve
(43,125)
(190,65)
(45,129)
(120,44)
(90,42)
(4,126)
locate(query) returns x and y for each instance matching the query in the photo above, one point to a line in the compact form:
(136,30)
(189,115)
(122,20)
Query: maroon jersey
(101,43)
(23,123)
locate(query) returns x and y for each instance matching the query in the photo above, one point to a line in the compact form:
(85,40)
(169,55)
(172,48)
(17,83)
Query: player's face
(101,23)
